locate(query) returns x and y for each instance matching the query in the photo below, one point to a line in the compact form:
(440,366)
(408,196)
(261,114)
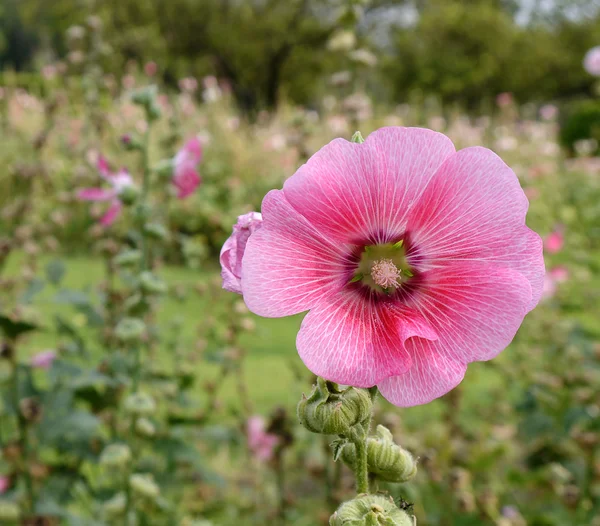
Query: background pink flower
(4,484)
(118,181)
(233,250)
(185,168)
(448,226)
(591,61)
(261,443)
(44,359)
(554,242)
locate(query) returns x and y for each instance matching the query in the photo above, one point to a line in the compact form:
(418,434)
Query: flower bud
(115,456)
(370,510)
(131,142)
(144,486)
(386,459)
(129,194)
(140,404)
(164,168)
(152,284)
(115,506)
(144,427)
(128,258)
(144,97)
(9,511)
(156,231)
(333,412)
(130,330)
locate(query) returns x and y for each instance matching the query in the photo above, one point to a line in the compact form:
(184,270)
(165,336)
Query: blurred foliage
(461,51)
(582,123)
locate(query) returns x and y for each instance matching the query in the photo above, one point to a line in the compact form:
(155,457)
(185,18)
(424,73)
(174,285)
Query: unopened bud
(141,404)
(156,231)
(115,506)
(145,96)
(128,258)
(370,510)
(129,194)
(144,486)
(357,138)
(387,460)
(115,456)
(130,330)
(152,284)
(144,427)
(331,411)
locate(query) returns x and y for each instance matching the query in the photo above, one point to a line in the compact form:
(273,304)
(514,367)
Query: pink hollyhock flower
(233,250)
(150,68)
(591,62)
(560,274)
(412,259)
(548,112)
(261,443)
(43,360)
(118,181)
(4,485)
(185,168)
(504,99)
(554,242)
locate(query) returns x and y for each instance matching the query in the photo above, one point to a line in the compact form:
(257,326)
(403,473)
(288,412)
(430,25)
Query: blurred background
(153,397)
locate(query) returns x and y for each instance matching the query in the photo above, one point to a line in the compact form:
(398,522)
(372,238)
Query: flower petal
(111,214)
(364,191)
(95,194)
(353,340)
(288,265)
(474,210)
(476,309)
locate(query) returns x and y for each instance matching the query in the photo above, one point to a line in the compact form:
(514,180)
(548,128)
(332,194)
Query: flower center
(385,273)
(383,268)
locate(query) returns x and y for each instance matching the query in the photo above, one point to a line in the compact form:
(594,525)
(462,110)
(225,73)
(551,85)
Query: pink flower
(43,360)
(559,274)
(549,112)
(261,443)
(150,68)
(233,250)
(554,242)
(504,99)
(118,181)
(412,259)
(185,168)
(591,62)
(4,485)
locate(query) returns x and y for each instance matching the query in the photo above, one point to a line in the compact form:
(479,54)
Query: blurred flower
(120,182)
(234,248)
(342,40)
(338,124)
(363,56)
(559,274)
(585,147)
(185,168)
(591,61)
(340,78)
(128,81)
(150,68)
(260,442)
(211,92)
(554,241)
(334,242)
(49,71)
(275,142)
(188,84)
(504,99)
(43,360)
(4,484)
(549,112)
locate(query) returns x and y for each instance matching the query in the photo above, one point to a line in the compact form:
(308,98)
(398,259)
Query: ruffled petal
(288,265)
(353,340)
(476,309)
(363,192)
(474,210)
(111,214)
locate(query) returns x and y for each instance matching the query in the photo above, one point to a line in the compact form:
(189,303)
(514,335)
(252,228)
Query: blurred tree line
(463,51)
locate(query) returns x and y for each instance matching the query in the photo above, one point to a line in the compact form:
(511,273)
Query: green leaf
(35,287)
(55,271)
(13,329)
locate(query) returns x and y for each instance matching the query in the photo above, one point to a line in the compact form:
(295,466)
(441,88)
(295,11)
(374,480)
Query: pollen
(385,273)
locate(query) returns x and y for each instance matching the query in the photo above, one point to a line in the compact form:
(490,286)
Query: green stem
(361,467)
(144,194)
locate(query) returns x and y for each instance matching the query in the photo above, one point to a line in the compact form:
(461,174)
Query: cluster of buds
(370,510)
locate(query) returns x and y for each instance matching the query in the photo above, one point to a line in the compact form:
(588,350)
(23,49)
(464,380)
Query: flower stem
(358,435)
(144,194)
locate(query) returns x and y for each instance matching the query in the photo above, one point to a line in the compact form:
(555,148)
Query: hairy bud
(370,510)
(331,411)
(115,456)
(387,460)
